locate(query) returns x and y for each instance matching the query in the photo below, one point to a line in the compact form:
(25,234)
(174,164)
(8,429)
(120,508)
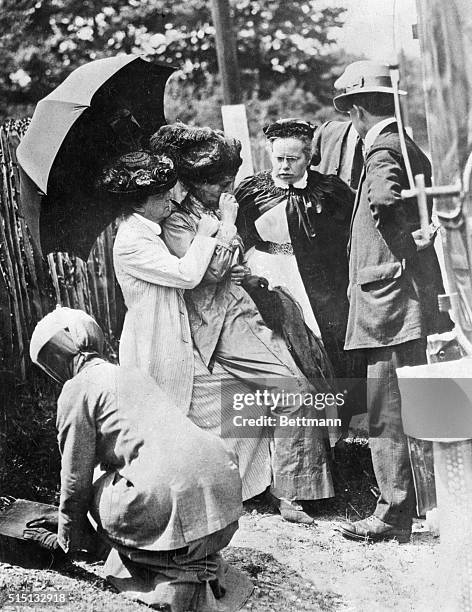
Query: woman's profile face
(158,207)
(288,158)
(209,193)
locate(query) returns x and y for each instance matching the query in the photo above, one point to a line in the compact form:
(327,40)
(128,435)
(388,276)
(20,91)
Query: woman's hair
(291,128)
(129,179)
(307,144)
(200,154)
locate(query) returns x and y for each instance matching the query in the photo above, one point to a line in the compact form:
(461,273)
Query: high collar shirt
(155,227)
(300,184)
(375,131)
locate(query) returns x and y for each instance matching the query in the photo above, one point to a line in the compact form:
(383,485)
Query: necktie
(357,164)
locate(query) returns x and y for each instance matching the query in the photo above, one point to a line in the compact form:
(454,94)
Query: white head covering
(63,341)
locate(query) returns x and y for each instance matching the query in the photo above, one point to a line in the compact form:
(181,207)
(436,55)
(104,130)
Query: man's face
(357,117)
(288,159)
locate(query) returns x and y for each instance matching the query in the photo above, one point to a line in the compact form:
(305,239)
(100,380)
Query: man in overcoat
(337,149)
(394,281)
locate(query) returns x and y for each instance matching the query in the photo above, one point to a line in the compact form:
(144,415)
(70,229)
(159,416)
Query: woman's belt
(275,248)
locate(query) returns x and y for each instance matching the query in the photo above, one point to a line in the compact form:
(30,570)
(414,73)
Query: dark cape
(318,219)
(282,314)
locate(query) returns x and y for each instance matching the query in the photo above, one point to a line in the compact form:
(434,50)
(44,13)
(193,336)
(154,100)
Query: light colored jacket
(166,482)
(156,334)
(208,302)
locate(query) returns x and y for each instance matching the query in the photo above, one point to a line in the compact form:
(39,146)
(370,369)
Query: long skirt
(294,461)
(281,269)
(190,579)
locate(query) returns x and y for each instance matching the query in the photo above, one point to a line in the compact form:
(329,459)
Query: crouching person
(170,496)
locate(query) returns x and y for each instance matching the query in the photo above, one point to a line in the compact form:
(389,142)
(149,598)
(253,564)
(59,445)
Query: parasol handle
(395,79)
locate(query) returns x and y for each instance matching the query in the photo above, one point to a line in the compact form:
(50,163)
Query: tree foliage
(43,40)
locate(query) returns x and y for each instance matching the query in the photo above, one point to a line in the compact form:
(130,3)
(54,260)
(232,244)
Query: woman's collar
(152,225)
(300,184)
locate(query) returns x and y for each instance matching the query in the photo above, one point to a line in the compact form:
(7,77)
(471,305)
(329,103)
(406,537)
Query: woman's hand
(229,208)
(207,226)
(239,272)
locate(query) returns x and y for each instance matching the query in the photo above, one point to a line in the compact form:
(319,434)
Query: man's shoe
(291,511)
(373,529)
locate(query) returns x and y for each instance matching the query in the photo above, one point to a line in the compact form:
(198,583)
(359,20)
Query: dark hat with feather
(200,154)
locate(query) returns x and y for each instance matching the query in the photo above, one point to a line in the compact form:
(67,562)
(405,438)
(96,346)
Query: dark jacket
(283,315)
(393,288)
(329,144)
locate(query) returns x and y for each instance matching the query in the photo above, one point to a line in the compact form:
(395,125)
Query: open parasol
(102,109)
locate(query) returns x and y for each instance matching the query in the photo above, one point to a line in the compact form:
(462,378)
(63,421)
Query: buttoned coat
(210,301)
(156,334)
(166,482)
(393,287)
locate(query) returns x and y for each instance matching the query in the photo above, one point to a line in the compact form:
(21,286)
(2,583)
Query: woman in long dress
(295,226)
(169,497)
(233,345)
(152,279)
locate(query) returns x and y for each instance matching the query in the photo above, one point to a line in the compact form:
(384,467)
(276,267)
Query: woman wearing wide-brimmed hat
(169,497)
(231,339)
(156,333)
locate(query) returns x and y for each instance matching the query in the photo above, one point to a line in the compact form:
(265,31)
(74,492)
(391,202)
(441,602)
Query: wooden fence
(31,286)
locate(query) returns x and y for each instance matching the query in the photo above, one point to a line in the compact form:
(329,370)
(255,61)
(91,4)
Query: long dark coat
(393,286)
(329,145)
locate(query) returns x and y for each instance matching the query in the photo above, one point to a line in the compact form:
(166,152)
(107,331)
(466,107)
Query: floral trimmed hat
(138,172)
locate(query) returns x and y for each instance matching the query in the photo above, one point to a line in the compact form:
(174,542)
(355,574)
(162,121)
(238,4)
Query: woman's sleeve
(248,213)
(178,235)
(77,438)
(146,259)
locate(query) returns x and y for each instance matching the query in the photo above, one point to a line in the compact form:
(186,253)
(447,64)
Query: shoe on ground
(373,529)
(291,511)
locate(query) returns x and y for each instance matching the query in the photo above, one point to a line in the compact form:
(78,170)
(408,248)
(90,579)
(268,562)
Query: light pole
(226,51)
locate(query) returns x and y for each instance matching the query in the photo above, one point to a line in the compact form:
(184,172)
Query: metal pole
(226,51)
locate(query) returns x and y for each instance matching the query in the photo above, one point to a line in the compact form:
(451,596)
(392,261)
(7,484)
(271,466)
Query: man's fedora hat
(362,77)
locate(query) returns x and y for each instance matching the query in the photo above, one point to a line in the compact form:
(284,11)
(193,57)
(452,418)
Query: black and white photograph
(236,305)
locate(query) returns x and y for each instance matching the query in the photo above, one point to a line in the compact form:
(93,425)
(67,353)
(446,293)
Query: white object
(235,126)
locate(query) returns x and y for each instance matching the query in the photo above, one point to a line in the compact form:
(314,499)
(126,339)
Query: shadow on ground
(278,587)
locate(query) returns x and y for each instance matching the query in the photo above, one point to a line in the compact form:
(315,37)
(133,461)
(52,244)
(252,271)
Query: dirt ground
(294,568)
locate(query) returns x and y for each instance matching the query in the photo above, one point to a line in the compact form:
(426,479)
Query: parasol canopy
(104,108)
